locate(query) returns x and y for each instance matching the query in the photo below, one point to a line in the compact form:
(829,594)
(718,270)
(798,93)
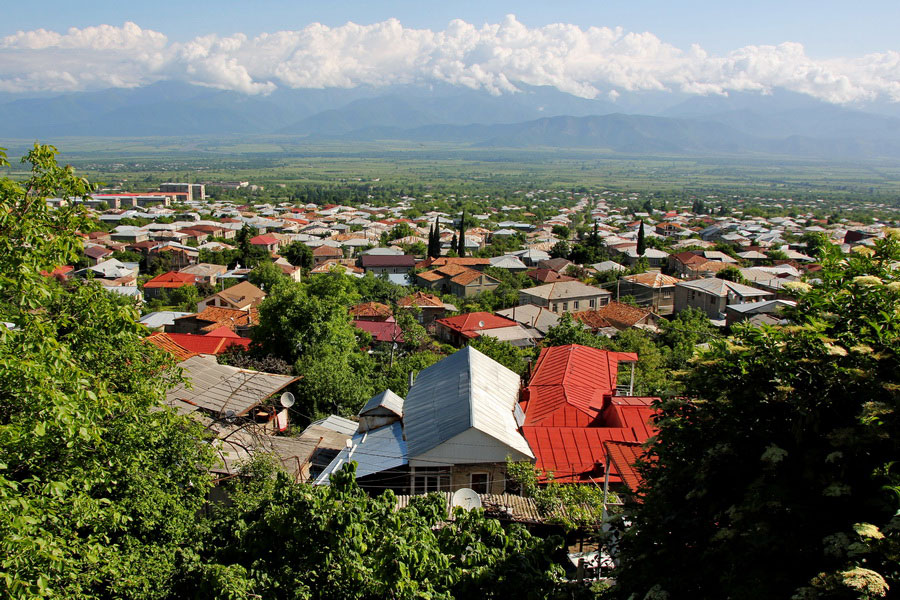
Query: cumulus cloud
(498,58)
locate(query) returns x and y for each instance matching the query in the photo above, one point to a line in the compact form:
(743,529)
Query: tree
(266,275)
(641,242)
(774,475)
(562,231)
(299,255)
(282,540)
(514,359)
(100,483)
(731,273)
(461,249)
(569,331)
(560,250)
(683,333)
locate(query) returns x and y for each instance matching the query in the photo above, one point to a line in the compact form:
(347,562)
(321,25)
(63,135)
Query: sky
(839,51)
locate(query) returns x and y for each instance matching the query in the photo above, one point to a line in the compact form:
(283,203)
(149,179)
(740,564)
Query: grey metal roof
(385,401)
(220,388)
(563,290)
(373,451)
(463,391)
(336,423)
(722,287)
(761,307)
(531,315)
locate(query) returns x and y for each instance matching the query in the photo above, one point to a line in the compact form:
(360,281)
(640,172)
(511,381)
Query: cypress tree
(462,235)
(641,243)
(430,251)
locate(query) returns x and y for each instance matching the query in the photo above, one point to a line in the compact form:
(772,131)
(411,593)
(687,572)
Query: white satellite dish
(286,400)
(466,498)
(481,324)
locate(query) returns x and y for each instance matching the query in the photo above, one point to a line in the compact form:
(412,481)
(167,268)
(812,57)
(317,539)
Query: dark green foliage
(560,250)
(731,273)
(99,488)
(570,331)
(774,477)
(266,275)
(514,359)
(278,540)
(461,248)
(561,231)
(641,241)
(299,255)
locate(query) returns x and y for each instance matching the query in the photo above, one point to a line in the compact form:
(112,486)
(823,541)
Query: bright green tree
(99,483)
(775,475)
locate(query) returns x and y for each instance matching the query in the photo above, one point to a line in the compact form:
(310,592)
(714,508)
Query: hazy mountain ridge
(782,123)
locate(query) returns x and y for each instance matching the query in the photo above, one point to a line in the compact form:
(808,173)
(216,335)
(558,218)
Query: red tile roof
(371,310)
(207,344)
(571,408)
(547,276)
(614,314)
(422,300)
(170,280)
(469,323)
(266,239)
(381,331)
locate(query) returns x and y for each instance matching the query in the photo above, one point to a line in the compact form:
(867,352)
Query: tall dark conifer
(641,243)
(462,235)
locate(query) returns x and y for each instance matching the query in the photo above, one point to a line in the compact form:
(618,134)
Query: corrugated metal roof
(622,458)
(337,423)
(373,451)
(385,401)
(574,454)
(219,388)
(465,390)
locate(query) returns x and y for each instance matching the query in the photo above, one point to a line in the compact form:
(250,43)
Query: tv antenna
(466,498)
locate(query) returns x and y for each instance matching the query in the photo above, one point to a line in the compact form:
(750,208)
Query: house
(96,254)
(458,330)
(656,259)
(455,429)
(371,311)
(619,316)
(111,270)
(430,307)
(565,296)
(207,273)
(571,409)
(154,288)
(267,241)
(213,318)
(241,296)
(469,262)
(457,280)
(381,331)
(735,313)
(215,342)
(509,263)
(712,295)
(545,275)
(650,290)
(373,263)
(537,318)
(324,253)
(685,263)
(288,270)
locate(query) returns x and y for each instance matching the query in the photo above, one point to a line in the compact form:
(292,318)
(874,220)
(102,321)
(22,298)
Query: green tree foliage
(514,359)
(560,250)
(570,331)
(731,273)
(816,243)
(266,275)
(651,374)
(776,476)
(682,333)
(299,255)
(278,539)
(249,255)
(561,231)
(99,486)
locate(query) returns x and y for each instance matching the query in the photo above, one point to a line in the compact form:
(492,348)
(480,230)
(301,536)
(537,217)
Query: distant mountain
(782,122)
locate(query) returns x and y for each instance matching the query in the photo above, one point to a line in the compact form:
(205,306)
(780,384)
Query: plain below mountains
(655,123)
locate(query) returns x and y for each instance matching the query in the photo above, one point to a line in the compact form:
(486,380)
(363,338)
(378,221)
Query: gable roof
(387,260)
(615,314)
(652,279)
(722,287)
(381,331)
(241,294)
(468,323)
(170,280)
(386,401)
(422,300)
(466,390)
(563,290)
(370,309)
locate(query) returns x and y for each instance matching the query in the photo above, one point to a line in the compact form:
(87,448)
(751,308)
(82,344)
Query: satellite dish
(286,400)
(481,324)
(466,498)
(229,416)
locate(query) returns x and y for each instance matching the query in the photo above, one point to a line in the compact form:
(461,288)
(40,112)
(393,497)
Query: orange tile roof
(468,276)
(421,299)
(218,316)
(170,280)
(164,342)
(370,309)
(652,279)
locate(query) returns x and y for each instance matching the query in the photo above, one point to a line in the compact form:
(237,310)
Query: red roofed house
(371,311)
(430,306)
(267,241)
(381,331)
(324,253)
(167,281)
(215,342)
(572,412)
(460,329)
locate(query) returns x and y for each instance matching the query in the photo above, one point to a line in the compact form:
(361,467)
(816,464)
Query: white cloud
(495,57)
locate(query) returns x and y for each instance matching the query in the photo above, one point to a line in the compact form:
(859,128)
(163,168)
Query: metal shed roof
(466,390)
(220,388)
(373,451)
(385,401)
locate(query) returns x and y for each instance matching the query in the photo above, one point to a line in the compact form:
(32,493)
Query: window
(555,307)
(667,294)
(480,482)
(431,480)
(592,303)
(565,307)
(576,305)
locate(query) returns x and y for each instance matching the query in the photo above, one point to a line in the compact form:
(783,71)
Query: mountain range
(782,123)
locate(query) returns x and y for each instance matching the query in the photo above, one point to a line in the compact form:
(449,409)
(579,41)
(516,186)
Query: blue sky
(826,28)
